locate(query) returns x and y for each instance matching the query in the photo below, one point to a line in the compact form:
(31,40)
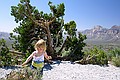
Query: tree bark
(49,48)
(63,45)
(44,24)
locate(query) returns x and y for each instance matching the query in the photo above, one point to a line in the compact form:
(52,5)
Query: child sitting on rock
(38,55)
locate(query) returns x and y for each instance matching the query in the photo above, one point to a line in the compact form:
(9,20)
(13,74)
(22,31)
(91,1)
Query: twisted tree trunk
(50,49)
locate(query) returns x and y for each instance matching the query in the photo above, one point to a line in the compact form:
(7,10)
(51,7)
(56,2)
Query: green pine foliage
(5,57)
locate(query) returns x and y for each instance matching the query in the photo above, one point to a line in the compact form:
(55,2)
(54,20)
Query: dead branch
(16,52)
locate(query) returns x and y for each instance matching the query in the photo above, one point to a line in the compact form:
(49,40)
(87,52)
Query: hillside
(4,35)
(99,35)
(96,35)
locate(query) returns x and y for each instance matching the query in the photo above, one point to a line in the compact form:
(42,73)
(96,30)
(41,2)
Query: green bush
(5,56)
(65,53)
(114,56)
(113,53)
(116,61)
(96,56)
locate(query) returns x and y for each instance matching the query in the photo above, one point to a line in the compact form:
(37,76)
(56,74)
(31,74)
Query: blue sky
(86,13)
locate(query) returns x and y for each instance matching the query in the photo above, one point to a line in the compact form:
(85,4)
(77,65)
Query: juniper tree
(35,24)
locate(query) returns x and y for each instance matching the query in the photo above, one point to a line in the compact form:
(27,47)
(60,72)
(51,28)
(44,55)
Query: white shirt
(38,58)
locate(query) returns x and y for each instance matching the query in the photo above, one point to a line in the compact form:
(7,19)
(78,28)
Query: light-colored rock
(66,70)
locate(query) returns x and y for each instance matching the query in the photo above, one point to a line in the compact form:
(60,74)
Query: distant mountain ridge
(96,33)
(100,33)
(4,35)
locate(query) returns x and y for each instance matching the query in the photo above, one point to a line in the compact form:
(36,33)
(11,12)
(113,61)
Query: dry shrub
(25,74)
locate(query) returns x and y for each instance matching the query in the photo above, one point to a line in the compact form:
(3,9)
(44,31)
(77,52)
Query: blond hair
(40,44)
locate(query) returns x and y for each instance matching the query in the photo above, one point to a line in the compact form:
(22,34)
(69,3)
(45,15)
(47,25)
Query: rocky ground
(65,70)
(6,70)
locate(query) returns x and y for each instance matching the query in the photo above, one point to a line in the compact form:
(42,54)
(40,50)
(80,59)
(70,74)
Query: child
(38,55)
